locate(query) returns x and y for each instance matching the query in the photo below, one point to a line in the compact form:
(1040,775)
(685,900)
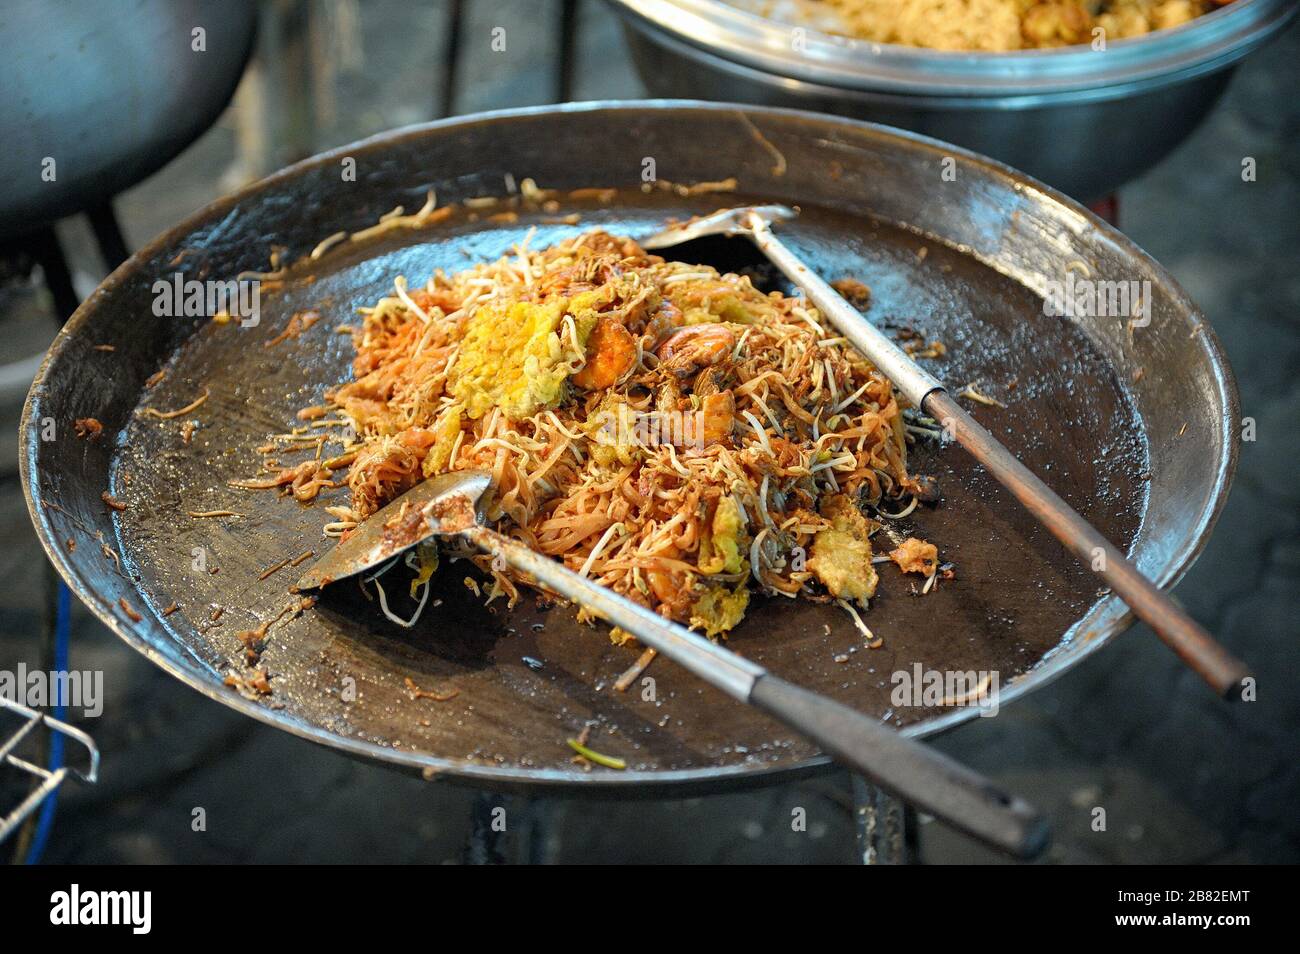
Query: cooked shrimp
(671,587)
(695,347)
(719,413)
(611,352)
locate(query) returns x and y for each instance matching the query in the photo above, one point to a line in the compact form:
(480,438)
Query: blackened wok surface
(1145,456)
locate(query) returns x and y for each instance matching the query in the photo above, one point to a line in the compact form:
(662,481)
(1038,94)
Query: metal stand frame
(885,827)
(48,780)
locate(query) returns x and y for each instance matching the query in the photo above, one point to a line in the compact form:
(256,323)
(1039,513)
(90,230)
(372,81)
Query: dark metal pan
(1132,425)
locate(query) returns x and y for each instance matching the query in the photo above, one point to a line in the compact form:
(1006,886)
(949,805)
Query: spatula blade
(723,222)
(409,520)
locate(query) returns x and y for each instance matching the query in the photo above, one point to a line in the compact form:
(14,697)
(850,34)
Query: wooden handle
(1197,648)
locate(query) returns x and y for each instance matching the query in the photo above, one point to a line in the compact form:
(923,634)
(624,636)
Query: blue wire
(62,636)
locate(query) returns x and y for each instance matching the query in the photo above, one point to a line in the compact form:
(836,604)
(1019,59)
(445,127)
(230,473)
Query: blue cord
(62,636)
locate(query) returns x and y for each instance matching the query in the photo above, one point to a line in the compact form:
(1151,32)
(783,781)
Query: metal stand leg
(108,234)
(484,846)
(534,828)
(44,248)
(450,54)
(565,66)
(522,832)
(886,828)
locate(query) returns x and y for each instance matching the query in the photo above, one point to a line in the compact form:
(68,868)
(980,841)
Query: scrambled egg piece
(512,357)
(841,554)
(612,427)
(446,430)
(621,637)
(719,609)
(720,548)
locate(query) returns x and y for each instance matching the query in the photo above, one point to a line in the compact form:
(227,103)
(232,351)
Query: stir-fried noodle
(668,431)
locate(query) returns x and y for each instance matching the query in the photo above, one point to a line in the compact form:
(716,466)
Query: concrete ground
(1182,777)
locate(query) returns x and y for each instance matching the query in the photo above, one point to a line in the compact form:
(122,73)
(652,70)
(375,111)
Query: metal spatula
(1197,648)
(447,506)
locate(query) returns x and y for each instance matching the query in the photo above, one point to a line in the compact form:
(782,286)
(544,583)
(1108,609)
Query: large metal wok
(112,92)
(1131,424)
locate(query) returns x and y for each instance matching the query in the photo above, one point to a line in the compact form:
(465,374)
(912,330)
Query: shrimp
(667,317)
(695,347)
(672,588)
(611,352)
(718,412)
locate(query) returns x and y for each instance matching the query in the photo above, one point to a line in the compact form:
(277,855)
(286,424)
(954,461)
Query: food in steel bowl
(985,25)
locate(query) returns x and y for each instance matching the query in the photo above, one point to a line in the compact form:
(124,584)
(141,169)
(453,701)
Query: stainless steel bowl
(1083,120)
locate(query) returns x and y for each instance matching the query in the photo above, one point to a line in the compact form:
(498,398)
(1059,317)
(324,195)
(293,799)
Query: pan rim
(1113,616)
